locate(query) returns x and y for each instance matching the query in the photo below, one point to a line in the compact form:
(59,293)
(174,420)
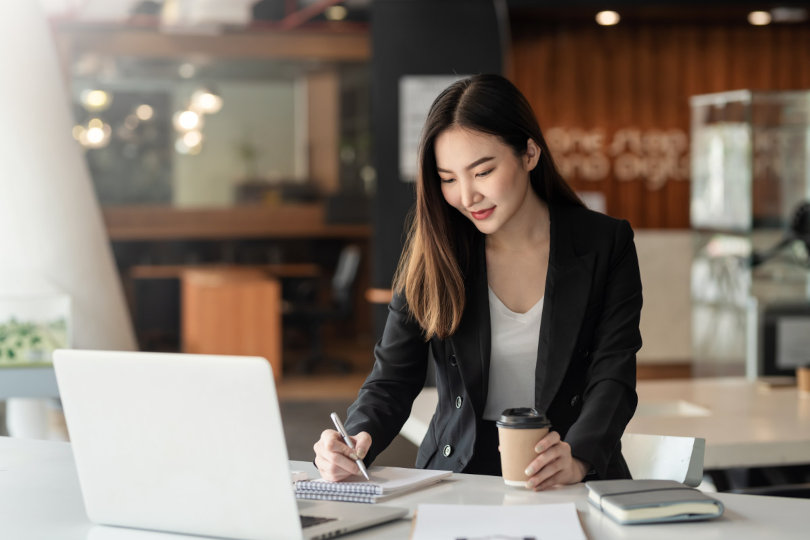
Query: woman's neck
(527,228)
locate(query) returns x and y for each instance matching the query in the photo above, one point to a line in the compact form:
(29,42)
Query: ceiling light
(95,100)
(759,18)
(96,135)
(187,120)
(181,147)
(608,18)
(206,101)
(336,13)
(144,112)
(186,70)
(192,138)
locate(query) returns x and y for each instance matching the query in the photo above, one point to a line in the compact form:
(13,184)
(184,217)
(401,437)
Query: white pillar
(52,236)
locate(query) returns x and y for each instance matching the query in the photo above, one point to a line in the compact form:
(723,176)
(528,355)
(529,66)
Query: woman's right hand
(334,459)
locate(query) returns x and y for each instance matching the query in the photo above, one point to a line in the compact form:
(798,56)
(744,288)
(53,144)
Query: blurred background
(252,167)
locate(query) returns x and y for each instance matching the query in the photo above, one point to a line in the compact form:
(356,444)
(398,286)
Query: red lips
(483,214)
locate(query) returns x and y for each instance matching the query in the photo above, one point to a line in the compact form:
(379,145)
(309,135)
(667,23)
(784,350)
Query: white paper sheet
(489,522)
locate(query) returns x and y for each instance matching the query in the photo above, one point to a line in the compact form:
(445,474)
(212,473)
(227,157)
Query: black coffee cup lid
(522,418)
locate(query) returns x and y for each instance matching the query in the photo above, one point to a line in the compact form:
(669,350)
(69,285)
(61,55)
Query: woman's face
(482,177)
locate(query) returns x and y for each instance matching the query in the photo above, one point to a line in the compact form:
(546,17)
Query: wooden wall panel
(323,130)
(579,76)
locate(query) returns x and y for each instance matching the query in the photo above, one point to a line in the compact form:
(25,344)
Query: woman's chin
(485,226)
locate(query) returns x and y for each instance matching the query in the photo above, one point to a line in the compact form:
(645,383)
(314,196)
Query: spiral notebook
(386,482)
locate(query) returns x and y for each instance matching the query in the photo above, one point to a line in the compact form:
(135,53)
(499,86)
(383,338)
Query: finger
(347,464)
(549,470)
(336,444)
(326,435)
(362,443)
(335,467)
(320,445)
(551,438)
(330,436)
(331,472)
(542,461)
(555,480)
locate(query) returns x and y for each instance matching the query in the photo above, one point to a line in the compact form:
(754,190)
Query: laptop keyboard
(309,521)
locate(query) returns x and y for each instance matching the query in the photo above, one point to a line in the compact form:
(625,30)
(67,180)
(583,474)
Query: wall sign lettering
(655,156)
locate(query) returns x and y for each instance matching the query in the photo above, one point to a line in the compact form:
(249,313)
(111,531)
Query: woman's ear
(532,155)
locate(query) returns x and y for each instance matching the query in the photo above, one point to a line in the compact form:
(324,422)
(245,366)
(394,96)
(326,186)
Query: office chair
(311,315)
(664,457)
(798,231)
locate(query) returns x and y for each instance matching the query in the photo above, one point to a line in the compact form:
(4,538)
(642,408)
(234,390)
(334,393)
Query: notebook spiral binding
(343,497)
(360,488)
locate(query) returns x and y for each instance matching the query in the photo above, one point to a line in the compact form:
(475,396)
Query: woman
(520,295)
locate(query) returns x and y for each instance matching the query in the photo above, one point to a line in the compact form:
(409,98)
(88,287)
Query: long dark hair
(439,247)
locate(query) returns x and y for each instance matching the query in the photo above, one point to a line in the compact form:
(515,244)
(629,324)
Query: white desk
(40,499)
(744,424)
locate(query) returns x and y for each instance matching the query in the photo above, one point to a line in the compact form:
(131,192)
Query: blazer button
(459,401)
(575,400)
(447,450)
(452,360)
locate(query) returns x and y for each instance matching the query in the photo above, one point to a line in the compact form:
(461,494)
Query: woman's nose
(469,195)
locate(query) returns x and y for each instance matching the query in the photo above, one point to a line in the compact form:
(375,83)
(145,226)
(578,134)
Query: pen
(349,443)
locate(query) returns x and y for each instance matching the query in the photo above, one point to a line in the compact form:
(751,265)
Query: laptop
(190,444)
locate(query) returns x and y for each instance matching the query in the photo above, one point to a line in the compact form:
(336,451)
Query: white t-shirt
(513,357)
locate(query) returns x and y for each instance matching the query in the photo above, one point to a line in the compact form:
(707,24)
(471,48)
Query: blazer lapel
(471,342)
(568,285)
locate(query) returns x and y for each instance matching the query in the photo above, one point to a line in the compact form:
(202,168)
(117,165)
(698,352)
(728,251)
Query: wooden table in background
(229,309)
(232,311)
(169,271)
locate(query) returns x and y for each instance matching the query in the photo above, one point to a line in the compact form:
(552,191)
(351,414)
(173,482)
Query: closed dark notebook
(651,501)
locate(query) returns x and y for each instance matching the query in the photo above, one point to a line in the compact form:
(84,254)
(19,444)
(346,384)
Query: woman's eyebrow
(472,165)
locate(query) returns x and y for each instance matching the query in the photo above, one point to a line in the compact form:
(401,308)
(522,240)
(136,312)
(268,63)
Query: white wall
(665,260)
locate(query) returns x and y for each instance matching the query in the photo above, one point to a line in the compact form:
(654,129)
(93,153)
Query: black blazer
(586,361)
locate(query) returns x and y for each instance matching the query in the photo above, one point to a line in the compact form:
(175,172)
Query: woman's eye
(483,173)
(448,180)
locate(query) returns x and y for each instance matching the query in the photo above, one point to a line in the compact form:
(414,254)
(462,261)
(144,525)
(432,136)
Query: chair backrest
(663,457)
(345,275)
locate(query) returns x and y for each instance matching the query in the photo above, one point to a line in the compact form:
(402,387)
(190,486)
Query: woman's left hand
(554,465)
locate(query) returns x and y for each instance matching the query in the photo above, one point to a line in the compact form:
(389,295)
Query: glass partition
(215,132)
(750,155)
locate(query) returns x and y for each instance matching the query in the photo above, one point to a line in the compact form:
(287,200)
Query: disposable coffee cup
(519,431)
